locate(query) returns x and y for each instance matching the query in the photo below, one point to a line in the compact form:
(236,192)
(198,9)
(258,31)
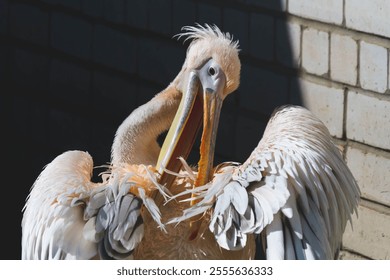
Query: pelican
(291,199)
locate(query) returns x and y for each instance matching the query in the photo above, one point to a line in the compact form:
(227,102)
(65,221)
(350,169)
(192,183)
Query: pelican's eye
(212,71)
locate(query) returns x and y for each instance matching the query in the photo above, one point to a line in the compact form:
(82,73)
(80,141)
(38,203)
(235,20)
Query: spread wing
(294,192)
(52,225)
(67,216)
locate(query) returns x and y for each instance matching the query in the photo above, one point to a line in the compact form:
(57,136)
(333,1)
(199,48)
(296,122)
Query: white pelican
(291,199)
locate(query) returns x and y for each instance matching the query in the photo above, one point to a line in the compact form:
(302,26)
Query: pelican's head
(211,50)
(211,71)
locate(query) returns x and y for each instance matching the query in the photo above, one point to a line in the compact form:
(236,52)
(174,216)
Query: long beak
(203,97)
(212,104)
(182,133)
(201,102)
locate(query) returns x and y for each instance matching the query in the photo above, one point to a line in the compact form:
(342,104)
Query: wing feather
(275,239)
(52,220)
(298,188)
(293,215)
(67,216)
(289,253)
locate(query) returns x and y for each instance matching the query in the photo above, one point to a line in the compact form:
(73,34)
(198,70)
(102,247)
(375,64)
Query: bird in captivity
(291,199)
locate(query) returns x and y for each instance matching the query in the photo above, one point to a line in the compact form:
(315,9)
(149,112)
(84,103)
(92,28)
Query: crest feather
(206,32)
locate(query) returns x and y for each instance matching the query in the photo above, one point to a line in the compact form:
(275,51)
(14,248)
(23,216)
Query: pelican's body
(290,200)
(176,243)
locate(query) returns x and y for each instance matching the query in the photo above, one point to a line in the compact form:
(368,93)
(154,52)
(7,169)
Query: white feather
(51,220)
(295,174)
(275,239)
(152,208)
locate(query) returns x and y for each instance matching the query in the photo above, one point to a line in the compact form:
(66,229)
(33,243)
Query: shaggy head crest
(207,32)
(207,42)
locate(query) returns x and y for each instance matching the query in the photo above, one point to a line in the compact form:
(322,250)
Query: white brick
(368,120)
(368,16)
(323,10)
(326,103)
(370,235)
(288,49)
(373,67)
(315,51)
(343,59)
(294,34)
(371,171)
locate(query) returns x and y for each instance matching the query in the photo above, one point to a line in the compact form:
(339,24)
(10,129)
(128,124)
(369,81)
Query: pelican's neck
(136,138)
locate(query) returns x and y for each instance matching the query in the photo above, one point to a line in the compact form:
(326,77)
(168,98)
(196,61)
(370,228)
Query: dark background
(72,70)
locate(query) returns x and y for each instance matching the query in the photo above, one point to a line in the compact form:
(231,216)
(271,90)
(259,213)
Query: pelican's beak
(213,82)
(182,133)
(201,101)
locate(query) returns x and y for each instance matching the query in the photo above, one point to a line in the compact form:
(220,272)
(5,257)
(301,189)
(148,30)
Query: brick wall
(72,70)
(344,77)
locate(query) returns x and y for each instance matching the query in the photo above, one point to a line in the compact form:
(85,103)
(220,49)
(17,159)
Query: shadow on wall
(72,71)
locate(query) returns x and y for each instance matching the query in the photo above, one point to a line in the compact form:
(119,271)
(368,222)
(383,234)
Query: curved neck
(136,138)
